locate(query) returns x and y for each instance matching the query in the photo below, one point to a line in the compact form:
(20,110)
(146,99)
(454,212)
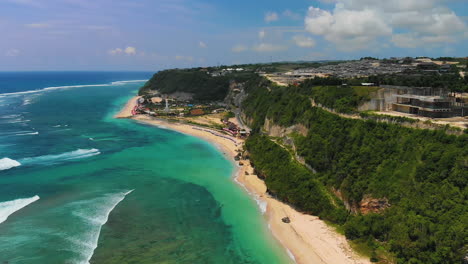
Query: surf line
(120,198)
(10,207)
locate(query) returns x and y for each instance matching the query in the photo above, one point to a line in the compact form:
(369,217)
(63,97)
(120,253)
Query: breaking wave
(94,214)
(6,164)
(71,86)
(19,133)
(10,207)
(52,159)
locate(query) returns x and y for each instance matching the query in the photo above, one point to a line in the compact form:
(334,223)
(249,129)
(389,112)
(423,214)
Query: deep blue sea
(78,186)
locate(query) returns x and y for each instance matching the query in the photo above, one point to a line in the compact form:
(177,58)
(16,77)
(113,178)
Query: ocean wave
(18,133)
(125,82)
(9,116)
(262,205)
(290,254)
(94,214)
(7,163)
(52,159)
(27,134)
(71,86)
(15,121)
(9,207)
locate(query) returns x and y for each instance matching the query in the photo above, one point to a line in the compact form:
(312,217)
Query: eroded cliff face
(367,205)
(274,130)
(373,205)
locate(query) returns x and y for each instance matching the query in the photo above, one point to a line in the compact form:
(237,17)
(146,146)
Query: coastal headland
(307,238)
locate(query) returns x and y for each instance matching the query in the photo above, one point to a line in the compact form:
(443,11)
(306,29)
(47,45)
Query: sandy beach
(306,237)
(126,111)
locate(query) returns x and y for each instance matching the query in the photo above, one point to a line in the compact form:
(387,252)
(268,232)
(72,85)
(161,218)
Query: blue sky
(157,34)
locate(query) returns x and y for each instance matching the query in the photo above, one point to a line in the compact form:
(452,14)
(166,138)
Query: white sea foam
(9,116)
(15,121)
(27,134)
(6,164)
(290,254)
(52,159)
(262,205)
(125,82)
(8,208)
(94,213)
(19,133)
(70,86)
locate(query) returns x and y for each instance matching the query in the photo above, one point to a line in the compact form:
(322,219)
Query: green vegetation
(291,182)
(380,117)
(452,81)
(343,99)
(422,173)
(228,115)
(203,86)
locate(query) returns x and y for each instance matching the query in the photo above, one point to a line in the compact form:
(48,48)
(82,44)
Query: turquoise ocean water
(77,186)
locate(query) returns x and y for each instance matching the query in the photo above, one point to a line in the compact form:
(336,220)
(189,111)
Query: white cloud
(414,40)
(267,47)
(348,29)
(303,41)
(130,51)
(271,16)
(261,34)
(38,25)
(239,48)
(291,15)
(115,51)
(202,45)
(12,53)
(364,24)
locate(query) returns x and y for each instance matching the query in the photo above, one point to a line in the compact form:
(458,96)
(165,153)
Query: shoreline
(307,238)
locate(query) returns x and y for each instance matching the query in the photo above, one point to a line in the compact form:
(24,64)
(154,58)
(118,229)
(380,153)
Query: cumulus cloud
(12,53)
(363,24)
(267,47)
(348,29)
(202,45)
(261,34)
(303,41)
(271,16)
(115,51)
(128,51)
(239,48)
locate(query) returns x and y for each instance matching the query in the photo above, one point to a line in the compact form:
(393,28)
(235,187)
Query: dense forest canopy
(422,173)
(198,83)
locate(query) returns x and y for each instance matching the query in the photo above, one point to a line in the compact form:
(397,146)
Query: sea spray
(9,207)
(7,163)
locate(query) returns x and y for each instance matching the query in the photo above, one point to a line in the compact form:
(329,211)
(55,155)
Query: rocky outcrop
(274,130)
(373,205)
